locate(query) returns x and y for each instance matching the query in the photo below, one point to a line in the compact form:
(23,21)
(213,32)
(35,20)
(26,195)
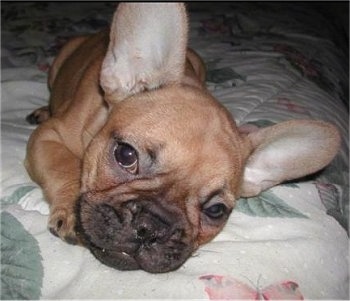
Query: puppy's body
(138,161)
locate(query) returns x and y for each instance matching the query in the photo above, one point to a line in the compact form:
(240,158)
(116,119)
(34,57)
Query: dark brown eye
(216,211)
(126,156)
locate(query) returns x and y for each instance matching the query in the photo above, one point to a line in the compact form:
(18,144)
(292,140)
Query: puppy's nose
(150,223)
(146,232)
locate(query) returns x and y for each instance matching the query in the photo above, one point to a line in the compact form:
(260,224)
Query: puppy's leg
(57,170)
(64,53)
(39,115)
(42,114)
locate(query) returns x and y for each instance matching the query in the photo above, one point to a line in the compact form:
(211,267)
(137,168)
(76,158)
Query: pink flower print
(229,288)
(285,103)
(215,26)
(298,59)
(44,67)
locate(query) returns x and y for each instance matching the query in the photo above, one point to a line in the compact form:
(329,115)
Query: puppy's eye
(215,211)
(126,156)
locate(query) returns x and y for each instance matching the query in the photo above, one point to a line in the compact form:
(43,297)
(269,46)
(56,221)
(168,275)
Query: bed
(267,62)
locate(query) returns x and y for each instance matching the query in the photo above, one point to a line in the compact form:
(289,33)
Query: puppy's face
(162,175)
(160,179)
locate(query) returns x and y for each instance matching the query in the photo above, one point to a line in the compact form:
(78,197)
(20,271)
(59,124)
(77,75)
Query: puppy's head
(160,178)
(163,174)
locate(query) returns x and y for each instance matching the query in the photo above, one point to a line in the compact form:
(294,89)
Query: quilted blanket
(267,62)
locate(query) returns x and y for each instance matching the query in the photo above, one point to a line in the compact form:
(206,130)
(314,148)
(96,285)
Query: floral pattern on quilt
(229,288)
(267,204)
(21,263)
(40,30)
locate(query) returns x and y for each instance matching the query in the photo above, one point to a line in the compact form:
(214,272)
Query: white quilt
(266,63)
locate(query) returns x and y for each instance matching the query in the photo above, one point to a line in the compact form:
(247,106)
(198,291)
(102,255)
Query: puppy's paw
(62,224)
(39,116)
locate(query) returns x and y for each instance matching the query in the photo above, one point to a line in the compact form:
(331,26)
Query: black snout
(135,234)
(136,222)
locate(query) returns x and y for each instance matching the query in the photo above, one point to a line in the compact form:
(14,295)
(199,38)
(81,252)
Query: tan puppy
(138,161)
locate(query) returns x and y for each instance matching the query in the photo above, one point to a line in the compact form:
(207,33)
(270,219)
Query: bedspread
(267,62)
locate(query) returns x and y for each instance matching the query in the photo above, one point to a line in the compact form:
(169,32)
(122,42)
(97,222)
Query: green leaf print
(267,205)
(16,196)
(222,75)
(261,123)
(21,262)
(290,184)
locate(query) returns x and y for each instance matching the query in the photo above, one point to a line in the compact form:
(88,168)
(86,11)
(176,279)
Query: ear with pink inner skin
(287,151)
(147,48)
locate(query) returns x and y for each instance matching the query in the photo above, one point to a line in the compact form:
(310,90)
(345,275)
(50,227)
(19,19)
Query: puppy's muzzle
(137,234)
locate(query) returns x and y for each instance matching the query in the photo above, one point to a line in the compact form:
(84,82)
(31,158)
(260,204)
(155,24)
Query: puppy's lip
(122,260)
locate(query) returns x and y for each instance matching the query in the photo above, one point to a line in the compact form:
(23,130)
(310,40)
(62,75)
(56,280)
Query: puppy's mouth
(137,234)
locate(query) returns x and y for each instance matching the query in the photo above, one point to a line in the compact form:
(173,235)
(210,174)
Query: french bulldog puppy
(138,161)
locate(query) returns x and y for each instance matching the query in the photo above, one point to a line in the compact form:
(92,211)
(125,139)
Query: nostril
(146,234)
(142,232)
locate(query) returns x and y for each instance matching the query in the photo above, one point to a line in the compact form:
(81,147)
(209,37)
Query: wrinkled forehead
(185,128)
(173,112)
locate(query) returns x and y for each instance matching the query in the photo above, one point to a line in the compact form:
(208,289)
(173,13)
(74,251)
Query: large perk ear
(287,151)
(147,48)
